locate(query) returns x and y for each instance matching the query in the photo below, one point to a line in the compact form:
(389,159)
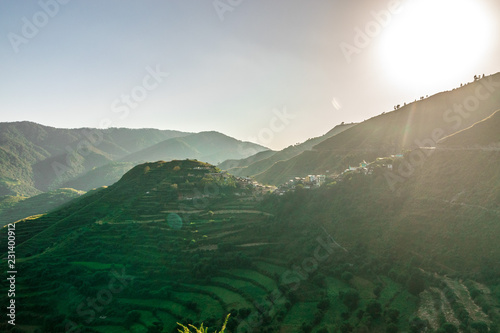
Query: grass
(138,328)
(263,280)
(299,313)
(406,303)
(333,286)
(231,299)
(169,321)
(244,286)
(270,268)
(147,317)
(201,329)
(208,306)
(108,329)
(96,265)
(364,286)
(175,308)
(390,290)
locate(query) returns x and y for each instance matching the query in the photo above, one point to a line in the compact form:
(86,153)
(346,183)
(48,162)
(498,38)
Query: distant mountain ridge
(211,147)
(35,158)
(41,157)
(261,162)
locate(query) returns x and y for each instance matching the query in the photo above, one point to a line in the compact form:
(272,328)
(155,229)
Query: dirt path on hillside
(242,211)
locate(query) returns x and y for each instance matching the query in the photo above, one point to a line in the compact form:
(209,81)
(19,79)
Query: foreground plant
(186,329)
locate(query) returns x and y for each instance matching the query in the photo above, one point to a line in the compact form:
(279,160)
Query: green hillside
(252,168)
(191,244)
(16,208)
(482,134)
(312,162)
(13,187)
(421,123)
(413,125)
(102,176)
(240,163)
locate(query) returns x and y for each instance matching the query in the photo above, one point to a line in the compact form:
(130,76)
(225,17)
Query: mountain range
(401,235)
(36,158)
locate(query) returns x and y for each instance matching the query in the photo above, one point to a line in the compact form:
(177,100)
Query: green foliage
(416,283)
(480,327)
(448,328)
(350,298)
(392,315)
(374,309)
(201,329)
(38,204)
(418,325)
(132,318)
(347,276)
(392,328)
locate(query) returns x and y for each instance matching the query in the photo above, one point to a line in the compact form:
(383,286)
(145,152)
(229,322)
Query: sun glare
(435,40)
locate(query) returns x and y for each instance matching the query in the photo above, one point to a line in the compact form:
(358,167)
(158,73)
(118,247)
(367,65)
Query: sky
(272,72)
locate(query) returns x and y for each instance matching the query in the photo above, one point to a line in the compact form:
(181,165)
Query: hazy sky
(273,72)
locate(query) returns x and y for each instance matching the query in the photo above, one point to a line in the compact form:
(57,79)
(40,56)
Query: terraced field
(194,273)
(142,258)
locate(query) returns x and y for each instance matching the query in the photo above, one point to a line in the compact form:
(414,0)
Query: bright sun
(431,40)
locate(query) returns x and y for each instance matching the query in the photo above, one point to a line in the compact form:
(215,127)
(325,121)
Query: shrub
(132,317)
(346,328)
(418,325)
(324,304)
(350,298)
(347,276)
(374,309)
(392,328)
(448,328)
(392,315)
(416,283)
(378,290)
(479,326)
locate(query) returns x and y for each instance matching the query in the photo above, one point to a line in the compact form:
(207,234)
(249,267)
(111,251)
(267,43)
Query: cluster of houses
(363,167)
(367,168)
(311,181)
(308,182)
(247,182)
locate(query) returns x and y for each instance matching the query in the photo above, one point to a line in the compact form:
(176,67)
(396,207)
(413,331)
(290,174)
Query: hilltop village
(310,181)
